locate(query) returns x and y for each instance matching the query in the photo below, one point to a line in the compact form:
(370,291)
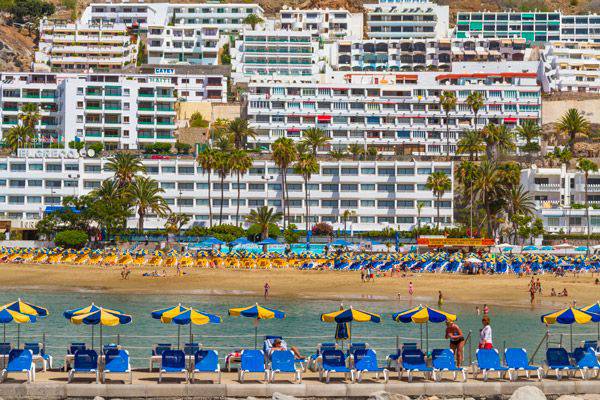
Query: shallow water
(513,327)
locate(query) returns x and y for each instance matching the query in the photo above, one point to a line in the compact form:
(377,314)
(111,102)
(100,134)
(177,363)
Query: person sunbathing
(279,346)
(553,293)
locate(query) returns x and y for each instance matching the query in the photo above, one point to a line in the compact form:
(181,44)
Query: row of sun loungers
(328,361)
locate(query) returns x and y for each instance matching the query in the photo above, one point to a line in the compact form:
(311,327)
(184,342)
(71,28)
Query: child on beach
(486,309)
(410,289)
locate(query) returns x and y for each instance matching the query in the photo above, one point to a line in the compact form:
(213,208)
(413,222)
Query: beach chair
(443,360)
(157,351)
(37,349)
(206,361)
(365,361)
(116,362)
(252,362)
(75,346)
(591,344)
(586,361)
(395,358)
(557,359)
(334,361)
(488,360)
(191,348)
(19,361)
(284,362)
(85,362)
(516,360)
(5,349)
(413,360)
(268,343)
(314,361)
(173,362)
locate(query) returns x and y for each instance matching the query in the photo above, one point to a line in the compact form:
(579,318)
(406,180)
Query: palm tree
(176,222)
(222,168)
(498,139)
(520,202)
(562,155)
(586,166)
(240,131)
(487,188)
(306,166)
(466,176)
(338,155)
(529,131)
(253,20)
(146,196)
(19,136)
(438,183)
(125,166)
(573,123)
(206,160)
(241,162)
(108,189)
(447,103)
(346,215)
(475,101)
(470,143)
(356,150)
(30,115)
(315,138)
(284,154)
(263,217)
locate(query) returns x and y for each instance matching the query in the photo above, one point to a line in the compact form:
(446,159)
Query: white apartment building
(325,24)
(571,66)
(72,46)
(406,19)
(121,110)
(394,112)
(421,54)
(273,53)
(185,44)
(560,198)
(228,17)
(383,194)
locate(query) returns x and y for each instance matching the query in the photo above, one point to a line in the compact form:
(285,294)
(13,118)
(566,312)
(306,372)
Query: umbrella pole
(178,336)
(92,337)
(18,336)
(427,337)
(191,339)
(421,335)
(256,335)
(571,335)
(101,349)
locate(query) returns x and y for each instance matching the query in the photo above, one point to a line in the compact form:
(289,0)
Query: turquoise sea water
(302,327)
(278,249)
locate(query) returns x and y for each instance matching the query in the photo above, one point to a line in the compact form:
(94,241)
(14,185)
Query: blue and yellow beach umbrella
(257,312)
(95,315)
(180,315)
(570,316)
(423,315)
(344,318)
(595,309)
(20,312)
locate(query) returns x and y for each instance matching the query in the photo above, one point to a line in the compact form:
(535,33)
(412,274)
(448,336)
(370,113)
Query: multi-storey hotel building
(271,53)
(560,198)
(382,193)
(421,54)
(71,46)
(406,19)
(395,112)
(571,66)
(228,17)
(189,44)
(325,24)
(121,110)
(538,27)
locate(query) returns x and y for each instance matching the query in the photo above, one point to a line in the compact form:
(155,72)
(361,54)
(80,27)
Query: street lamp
(179,200)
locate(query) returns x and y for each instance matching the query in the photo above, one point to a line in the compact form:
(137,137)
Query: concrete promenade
(58,390)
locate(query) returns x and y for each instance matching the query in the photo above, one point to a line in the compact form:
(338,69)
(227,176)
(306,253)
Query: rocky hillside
(16,49)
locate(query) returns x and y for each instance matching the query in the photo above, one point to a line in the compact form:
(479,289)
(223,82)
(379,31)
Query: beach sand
(290,283)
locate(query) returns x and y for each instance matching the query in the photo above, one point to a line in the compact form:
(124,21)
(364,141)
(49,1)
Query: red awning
(510,120)
(293,130)
(324,118)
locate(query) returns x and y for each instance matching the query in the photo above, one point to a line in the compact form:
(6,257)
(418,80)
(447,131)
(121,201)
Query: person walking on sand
(477,310)
(485,334)
(486,309)
(532,291)
(267,287)
(411,289)
(440,299)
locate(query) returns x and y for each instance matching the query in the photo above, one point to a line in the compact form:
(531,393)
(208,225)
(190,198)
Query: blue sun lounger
(19,361)
(37,349)
(365,361)
(442,360)
(488,360)
(516,361)
(413,360)
(315,359)
(156,356)
(586,361)
(206,361)
(397,356)
(85,362)
(116,362)
(334,361)
(252,362)
(284,362)
(173,362)
(558,360)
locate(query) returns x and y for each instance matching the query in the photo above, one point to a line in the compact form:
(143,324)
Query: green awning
(529,36)
(463,22)
(476,26)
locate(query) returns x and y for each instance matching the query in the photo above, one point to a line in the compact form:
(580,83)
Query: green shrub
(71,239)
(182,148)
(76,145)
(97,147)
(198,121)
(157,148)
(254,231)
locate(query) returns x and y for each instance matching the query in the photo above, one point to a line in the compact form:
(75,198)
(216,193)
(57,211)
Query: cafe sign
(456,242)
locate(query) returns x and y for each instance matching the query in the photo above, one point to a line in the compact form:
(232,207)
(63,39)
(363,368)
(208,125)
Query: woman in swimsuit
(457,340)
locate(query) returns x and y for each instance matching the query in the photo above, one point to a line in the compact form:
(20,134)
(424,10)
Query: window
(36,167)
(349,171)
(349,187)
(202,202)
(405,220)
(71,167)
(331,171)
(202,186)
(405,171)
(53,167)
(367,186)
(185,186)
(257,187)
(17,167)
(385,204)
(406,188)
(34,199)
(217,186)
(329,203)
(348,203)
(387,171)
(367,203)
(168,170)
(167,185)
(186,170)
(423,171)
(406,204)
(555,221)
(256,202)
(92,168)
(367,171)
(367,220)
(386,187)
(329,187)
(185,202)
(34,183)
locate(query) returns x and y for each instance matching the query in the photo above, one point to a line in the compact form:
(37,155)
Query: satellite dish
(82,152)
(91,153)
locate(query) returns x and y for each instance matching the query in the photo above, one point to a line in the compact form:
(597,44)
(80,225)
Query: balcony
(547,187)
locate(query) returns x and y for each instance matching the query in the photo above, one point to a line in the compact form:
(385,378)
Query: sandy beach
(289,283)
